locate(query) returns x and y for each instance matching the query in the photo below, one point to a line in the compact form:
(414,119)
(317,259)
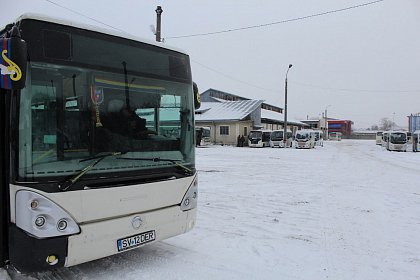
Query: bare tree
(386,124)
(374,127)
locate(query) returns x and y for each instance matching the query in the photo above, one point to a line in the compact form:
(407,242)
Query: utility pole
(285,108)
(326,123)
(393,121)
(159,12)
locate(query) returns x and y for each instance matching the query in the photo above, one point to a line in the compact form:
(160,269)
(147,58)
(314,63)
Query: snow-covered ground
(348,210)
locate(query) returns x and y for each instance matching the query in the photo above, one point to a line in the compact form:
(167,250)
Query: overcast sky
(362,64)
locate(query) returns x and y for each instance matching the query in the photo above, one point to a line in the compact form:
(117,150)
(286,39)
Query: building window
(224,130)
(245,131)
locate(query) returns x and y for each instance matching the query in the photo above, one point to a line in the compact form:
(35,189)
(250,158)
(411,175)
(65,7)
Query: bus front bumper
(96,239)
(303,145)
(99,239)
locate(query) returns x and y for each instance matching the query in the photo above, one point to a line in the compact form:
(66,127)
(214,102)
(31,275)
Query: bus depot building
(230,116)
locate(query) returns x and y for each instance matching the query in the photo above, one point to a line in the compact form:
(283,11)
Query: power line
(358,90)
(85,16)
(277,22)
(233,78)
(306,85)
(257,26)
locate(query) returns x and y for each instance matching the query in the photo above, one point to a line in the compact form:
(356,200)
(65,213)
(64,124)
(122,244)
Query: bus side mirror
(13,58)
(197,101)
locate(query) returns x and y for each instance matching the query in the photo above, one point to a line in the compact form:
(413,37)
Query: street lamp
(393,121)
(326,123)
(285,108)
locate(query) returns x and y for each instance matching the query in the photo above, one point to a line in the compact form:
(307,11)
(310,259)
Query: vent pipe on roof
(159,12)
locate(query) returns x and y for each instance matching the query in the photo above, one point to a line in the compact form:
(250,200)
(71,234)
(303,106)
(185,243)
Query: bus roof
(116,33)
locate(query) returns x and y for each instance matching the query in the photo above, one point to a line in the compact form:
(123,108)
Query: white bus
(379,137)
(319,138)
(416,141)
(397,141)
(409,138)
(277,139)
(259,138)
(305,139)
(97,143)
(203,136)
(384,141)
(335,136)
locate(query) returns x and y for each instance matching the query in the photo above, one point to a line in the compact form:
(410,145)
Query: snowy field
(348,210)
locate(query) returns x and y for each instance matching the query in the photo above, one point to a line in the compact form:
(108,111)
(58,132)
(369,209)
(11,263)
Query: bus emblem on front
(136,222)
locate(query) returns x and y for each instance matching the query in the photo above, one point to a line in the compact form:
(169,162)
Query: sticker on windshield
(97,95)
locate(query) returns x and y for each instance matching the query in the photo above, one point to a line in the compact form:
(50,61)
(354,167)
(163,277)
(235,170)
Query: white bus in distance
(384,141)
(277,139)
(335,136)
(259,138)
(305,139)
(319,138)
(379,138)
(416,141)
(203,136)
(397,141)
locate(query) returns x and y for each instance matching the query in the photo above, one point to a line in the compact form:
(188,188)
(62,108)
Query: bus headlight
(41,217)
(190,198)
(40,221)
(62,225)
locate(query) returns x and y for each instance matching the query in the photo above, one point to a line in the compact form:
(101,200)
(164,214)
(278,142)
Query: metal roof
(226,111)
(274,116)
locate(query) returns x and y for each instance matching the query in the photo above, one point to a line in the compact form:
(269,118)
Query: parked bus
(379,137)
(319,138)
(397,141)
(203,136)
(335,136)
(277,139)
(259,138)
(385,136)
(416,141)
(305,139)
(97,143)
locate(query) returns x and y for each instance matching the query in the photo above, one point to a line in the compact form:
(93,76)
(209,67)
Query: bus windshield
(80,106)
(302,136)
(277,135)
(68,114)
(206,132)
(398,138)
(255,135)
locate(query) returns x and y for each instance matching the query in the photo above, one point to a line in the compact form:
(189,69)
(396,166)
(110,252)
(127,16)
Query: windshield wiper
(70,182)
(187,170)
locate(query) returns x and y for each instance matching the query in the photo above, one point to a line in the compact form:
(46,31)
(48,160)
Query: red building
(343,126)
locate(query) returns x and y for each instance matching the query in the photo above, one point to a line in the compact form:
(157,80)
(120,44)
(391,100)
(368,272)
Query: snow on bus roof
(116,33)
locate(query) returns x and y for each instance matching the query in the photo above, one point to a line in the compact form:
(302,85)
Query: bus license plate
(135,240)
